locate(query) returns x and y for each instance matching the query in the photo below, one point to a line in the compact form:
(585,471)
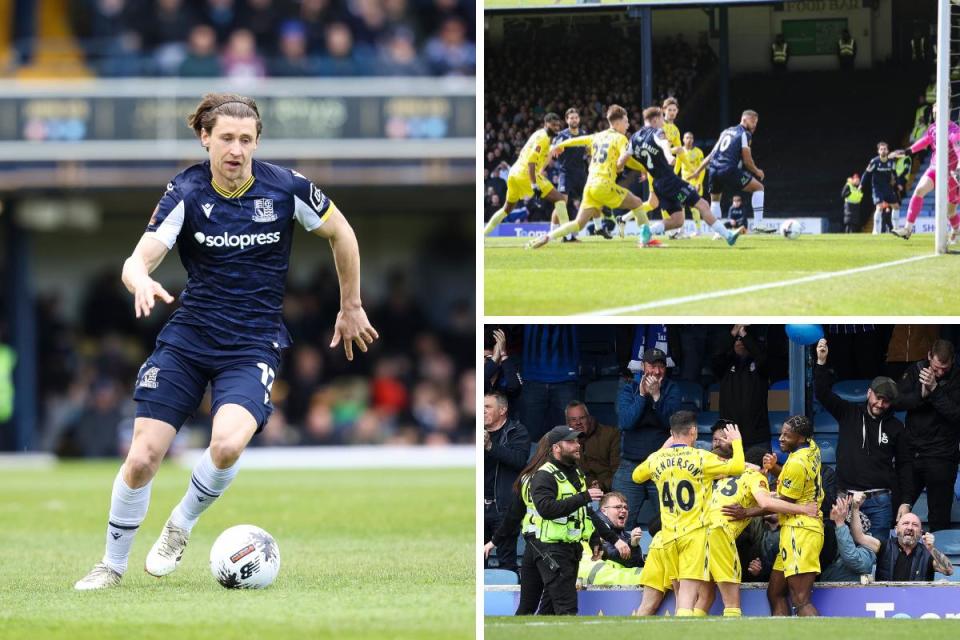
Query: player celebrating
(801,536)
(601,189)
(928,181)
(750,492)
(682,475)
(526,177)
(235,218)
(649,150)
(882,176)
(732,167)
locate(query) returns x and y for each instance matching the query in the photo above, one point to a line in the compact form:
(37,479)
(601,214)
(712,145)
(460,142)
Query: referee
(560,497)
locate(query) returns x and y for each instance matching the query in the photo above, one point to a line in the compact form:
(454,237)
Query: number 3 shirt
(683,476)
(735,490)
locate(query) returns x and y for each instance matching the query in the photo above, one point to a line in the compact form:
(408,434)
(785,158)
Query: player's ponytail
(214,105)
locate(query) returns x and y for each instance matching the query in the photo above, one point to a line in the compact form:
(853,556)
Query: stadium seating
(645,540)
(828,449)
(951,578)
(823,422)
(776,420)
(705,421)
(499,576)
(600,397)
(852,390)
(780,385)
(948,541)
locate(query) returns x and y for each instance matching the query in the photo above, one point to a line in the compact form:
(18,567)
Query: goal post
(944,32)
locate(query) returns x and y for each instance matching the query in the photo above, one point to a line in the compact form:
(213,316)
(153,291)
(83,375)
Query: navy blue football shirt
(236,250)
(729,151)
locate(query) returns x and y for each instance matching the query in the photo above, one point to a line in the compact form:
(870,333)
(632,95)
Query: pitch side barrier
(533,229)
(832,599)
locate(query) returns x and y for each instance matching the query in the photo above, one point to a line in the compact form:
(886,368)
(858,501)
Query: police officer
(779,53)
(852,196)
(846,51)
(561,499)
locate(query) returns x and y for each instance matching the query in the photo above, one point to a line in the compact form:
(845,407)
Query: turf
(364,554)
(598,275)
(612,628)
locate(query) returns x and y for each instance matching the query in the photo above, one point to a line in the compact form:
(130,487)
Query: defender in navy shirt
(650,151)
(573,164)
(732,168)
(233,219)
(883,180)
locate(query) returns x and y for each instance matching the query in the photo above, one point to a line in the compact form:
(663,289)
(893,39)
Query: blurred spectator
(741,367)
(262,18)
(500,370)
(449,52)
(241,60)
(857,350)
(852,560)
(398,54)
(340,59)
(292,59)
(202,60)
(550,368)
(908,344)
(222,15)
(599,446)
(163,30)
(93,432)
(910,557)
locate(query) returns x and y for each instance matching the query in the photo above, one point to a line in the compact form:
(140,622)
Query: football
(245,557)
(791,229)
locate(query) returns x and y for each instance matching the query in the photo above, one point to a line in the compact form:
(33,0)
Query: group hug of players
(654,151)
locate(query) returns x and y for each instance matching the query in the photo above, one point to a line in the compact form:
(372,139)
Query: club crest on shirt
(263,210)
(149,378)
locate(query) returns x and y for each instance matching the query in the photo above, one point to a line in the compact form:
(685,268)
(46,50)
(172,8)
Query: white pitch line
(752,288)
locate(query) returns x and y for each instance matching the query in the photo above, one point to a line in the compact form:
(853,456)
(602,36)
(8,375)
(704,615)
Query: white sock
(553,226)
(715,209)
(877,221)
(627,217)
(895,218)
(494,221)
(206,485)
(656,228)
(128,507)
(756,201)
(719,228)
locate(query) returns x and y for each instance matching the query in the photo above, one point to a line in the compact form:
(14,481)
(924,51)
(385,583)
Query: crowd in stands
(416,385)
(559,75)
(889,441)
(277,38)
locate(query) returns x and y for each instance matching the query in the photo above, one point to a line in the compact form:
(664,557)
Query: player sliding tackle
(732,167)
(601,189)
(650,151)
(526,177)
(929,178)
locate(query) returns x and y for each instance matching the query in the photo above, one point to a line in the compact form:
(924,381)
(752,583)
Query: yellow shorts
(597,195)
(518,187)
(691,556)
(799,551)
(723,557)
(656,574)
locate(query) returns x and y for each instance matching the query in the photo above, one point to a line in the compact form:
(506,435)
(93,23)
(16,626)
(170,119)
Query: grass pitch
(612,628)
(373,554)
(605,276)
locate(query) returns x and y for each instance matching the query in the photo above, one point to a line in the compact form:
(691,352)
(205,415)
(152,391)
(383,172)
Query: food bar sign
(818,6)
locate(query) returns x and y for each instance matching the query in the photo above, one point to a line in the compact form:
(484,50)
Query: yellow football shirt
(605,150)
(687,163)
(734,490)
(682,475)
(800,481)
(536,150)
(673,134)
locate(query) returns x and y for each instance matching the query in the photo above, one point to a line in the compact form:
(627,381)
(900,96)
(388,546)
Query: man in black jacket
(506,447)
(873,451)
(741,366)
(929,391)
(561,499)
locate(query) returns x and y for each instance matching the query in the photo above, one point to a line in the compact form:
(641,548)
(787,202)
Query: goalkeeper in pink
(928,180)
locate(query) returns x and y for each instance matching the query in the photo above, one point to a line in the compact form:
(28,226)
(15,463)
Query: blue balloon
(804,333)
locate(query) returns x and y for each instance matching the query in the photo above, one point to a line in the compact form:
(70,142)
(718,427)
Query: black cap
(654,355)
(563,432)
(884,387)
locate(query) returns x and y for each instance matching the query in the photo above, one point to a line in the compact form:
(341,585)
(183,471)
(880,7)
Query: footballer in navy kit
(233,218)
(732,168)
(650,150)
(883,181)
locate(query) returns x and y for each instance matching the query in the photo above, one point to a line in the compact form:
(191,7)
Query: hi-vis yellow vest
(856,194)
(573,527)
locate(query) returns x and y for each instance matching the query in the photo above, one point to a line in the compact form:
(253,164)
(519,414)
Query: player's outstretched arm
(352,325)
(146,256)
(770,504)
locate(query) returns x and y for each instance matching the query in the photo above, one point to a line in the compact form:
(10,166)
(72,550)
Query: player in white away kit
(234,219)
(928,181)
